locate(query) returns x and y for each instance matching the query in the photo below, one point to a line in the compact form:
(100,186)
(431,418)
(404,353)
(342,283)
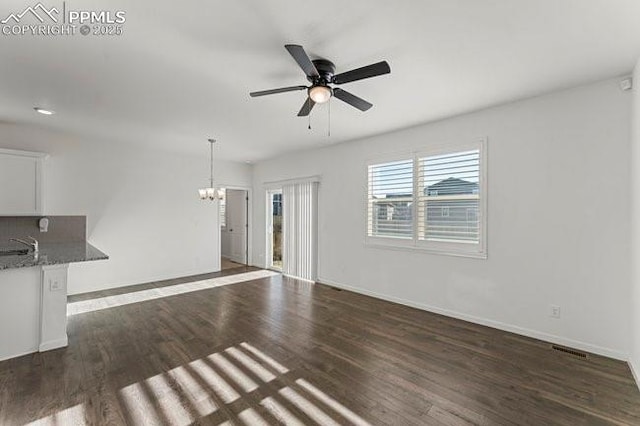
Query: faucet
(33,244)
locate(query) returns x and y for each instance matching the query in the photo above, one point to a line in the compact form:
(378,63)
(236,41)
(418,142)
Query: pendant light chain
(211,193)
(211,180)
(328,112)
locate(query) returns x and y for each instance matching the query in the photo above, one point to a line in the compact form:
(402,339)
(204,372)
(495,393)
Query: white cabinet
(21,182)
(20,296)
(33,310)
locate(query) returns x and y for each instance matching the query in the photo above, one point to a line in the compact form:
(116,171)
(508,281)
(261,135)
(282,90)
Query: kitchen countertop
(53,254)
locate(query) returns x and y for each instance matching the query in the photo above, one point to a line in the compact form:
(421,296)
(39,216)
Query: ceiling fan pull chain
(329,127)
(309,104)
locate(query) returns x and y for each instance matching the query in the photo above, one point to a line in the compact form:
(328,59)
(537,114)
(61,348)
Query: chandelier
(211,193)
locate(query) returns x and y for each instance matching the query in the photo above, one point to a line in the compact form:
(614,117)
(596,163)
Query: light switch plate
(55,285)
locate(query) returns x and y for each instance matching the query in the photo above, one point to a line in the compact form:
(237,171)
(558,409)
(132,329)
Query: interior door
(236,226)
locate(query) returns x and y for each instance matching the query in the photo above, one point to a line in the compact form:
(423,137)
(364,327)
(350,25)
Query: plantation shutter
(390,200)
(449,197)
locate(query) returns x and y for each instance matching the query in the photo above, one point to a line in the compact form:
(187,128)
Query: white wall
(634,359)
(558,219)
(142,205)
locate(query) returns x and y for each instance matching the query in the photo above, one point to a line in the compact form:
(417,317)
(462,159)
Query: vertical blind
(299,225)
(390,206)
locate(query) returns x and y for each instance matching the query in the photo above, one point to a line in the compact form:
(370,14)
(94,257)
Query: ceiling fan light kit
(320,94)
(321,73)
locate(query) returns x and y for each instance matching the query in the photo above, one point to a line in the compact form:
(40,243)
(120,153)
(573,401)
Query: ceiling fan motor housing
(326,69)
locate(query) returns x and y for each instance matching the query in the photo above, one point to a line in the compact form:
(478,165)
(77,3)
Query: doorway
(234,228)
(274,229)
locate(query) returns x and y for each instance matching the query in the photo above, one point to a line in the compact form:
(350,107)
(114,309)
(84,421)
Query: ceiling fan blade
(274,91)
(369,71)
(306,107)
(302,59)
(351,99)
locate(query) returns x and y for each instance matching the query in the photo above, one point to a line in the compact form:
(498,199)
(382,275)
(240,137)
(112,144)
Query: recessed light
(44,111)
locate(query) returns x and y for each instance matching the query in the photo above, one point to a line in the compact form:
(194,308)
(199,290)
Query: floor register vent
(570,351)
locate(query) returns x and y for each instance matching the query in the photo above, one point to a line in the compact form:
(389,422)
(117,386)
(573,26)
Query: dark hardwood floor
(226,263)
(277,350)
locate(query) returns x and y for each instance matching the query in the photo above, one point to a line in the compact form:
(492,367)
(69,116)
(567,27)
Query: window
(277,204)
(433,200)
(449,197)
(223,209)
(390,209)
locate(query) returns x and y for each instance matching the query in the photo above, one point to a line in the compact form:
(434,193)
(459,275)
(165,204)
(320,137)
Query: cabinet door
(19,312)
(20,183)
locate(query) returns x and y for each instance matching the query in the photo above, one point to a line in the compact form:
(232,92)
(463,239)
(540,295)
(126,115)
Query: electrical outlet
(55,285)
(554,311)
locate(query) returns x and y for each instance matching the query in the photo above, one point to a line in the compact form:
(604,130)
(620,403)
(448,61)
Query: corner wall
(558,220)
(142,205)
(634,359)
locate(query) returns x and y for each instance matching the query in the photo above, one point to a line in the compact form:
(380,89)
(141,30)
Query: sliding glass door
(274,229)
(292,229)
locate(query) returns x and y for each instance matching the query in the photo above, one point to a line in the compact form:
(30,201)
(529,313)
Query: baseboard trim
(54,344)
(293,276)
(19,354)
(559,340)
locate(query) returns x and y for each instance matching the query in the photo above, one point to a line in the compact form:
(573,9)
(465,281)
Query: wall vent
(570,351)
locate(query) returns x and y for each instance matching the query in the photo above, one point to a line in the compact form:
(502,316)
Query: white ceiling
(182,70)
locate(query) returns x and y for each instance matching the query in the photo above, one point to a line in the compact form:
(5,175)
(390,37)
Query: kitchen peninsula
(33,281)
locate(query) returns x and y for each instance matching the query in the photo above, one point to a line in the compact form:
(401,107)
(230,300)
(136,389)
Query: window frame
(451,248)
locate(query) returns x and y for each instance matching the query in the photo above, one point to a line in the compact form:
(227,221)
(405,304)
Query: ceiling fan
(321,74)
